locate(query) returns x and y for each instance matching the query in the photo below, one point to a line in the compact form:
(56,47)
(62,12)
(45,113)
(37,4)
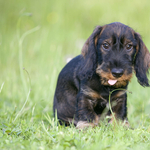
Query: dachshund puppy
(106,65)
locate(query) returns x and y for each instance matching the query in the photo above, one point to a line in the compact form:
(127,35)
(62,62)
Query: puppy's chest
(101,98)
(98,98)
(100,95)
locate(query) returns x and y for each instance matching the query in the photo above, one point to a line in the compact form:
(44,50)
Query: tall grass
(39,36)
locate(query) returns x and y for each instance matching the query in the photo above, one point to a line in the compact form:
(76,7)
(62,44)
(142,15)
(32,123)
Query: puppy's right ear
(142,62)
(89,54)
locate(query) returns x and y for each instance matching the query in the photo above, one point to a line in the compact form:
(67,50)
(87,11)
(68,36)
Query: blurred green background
(40,35)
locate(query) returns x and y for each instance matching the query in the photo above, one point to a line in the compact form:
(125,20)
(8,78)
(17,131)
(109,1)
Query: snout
(117,72)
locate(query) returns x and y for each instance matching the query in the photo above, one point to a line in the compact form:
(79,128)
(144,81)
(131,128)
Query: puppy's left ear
(142,61)
(89,55)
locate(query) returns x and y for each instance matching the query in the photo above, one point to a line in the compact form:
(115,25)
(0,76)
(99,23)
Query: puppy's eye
(129,47)
(106,46)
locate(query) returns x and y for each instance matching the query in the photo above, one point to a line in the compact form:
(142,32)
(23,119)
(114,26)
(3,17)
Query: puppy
(106,65)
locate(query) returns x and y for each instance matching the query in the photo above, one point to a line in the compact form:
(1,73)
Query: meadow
(36,38)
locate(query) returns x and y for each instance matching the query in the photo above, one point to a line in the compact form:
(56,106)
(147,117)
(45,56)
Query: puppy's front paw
(84,124)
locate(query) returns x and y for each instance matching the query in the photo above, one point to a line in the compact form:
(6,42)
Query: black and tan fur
(82,91)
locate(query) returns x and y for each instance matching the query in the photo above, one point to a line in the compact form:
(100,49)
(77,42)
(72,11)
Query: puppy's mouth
(109,80)
(112,82)
(117,83)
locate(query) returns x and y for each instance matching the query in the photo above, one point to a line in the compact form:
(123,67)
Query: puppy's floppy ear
(142,61)
(89,54)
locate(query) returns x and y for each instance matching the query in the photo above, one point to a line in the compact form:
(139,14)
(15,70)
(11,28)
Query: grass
(36,37)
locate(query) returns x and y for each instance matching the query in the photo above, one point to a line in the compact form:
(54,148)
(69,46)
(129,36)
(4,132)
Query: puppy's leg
(85,113)
(120,111)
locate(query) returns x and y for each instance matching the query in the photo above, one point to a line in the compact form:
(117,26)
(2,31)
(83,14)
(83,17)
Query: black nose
(116,72)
